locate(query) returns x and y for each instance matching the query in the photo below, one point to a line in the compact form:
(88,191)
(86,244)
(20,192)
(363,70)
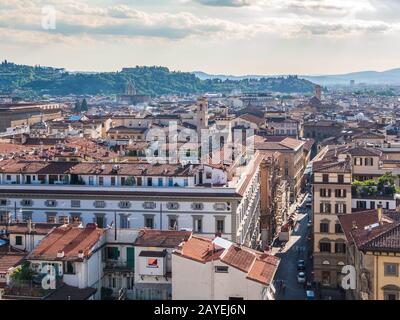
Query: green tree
(77,107)
(84,105)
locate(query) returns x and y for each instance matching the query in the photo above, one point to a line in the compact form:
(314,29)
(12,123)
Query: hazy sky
(215,36)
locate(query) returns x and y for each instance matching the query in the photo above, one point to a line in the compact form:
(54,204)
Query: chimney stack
(380,213)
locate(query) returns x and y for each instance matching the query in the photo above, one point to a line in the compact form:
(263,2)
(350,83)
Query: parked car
(301,277)
(309,224)
(301,265)
(310,295)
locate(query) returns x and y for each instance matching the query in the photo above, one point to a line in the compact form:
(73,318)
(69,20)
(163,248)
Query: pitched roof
(368,233)
(67,292)
(161,238)
(329,166)
(258,266)
(252,118)
(37,228)
(360,151)
(9,260)
(70,240)
(200,249)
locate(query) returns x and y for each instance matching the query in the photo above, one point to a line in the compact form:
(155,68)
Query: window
(325,247)
(391,269)
(51,203)
(112,253)
(220,225)
(340,248)
(124,204)
(113,181)
(75,203)
(361,204)
(170,182)
(91,180)
(101,181)
(99,204)
(100,221)
(172,223)
(130,282)
(124,221)
(326,277)
(149,182)
(197,206)
(372,204)
(325,193)
(338,228)
(26,203)
(160,182)
(63,219)
(149,205)
(325,178)
(8,177)
(358,161)
(221,269)
(198,224)
(51,218)
(340,178)
(149,222)
(391,292)
(340,208)
(324,227)
(185,182)
(369,161)
(123,179)
(69,267)
(340,193)
(172,205)
(139,181)
(325,207)
(18,240)
(3,202)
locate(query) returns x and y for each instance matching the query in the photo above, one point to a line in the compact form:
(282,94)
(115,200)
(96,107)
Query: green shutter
(130,257)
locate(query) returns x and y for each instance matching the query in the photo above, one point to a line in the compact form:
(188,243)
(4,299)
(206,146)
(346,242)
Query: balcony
(118,266)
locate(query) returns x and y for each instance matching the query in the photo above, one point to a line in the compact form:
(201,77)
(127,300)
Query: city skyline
(235,37)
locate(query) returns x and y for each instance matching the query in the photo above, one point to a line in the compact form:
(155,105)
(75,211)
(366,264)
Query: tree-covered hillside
(154,81)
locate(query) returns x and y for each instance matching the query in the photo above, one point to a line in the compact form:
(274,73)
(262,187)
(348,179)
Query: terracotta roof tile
(69,239)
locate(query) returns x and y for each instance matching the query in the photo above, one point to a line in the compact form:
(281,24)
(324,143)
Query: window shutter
(344,193)
(336,208)
(329,208)
(329,192)
(344,208)
(321,207)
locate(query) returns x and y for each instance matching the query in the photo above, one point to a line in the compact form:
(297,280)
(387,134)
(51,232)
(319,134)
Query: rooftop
(70,240)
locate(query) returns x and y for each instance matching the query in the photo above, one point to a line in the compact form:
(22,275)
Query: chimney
(60,254)
(29,226)
(353,225)
(265,168)
(80,254)
(380,212)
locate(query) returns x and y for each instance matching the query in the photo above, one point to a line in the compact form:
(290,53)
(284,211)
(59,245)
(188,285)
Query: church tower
(201,115)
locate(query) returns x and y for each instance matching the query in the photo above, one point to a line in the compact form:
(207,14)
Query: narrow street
(296,248)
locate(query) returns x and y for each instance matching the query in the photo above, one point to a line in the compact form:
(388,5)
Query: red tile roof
(258,266)
(161,238)
(9,260)
(68,239)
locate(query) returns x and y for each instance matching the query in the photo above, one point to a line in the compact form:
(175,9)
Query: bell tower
(201,114)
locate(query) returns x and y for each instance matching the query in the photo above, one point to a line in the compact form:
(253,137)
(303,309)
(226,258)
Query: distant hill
(154,81)
(391,77)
